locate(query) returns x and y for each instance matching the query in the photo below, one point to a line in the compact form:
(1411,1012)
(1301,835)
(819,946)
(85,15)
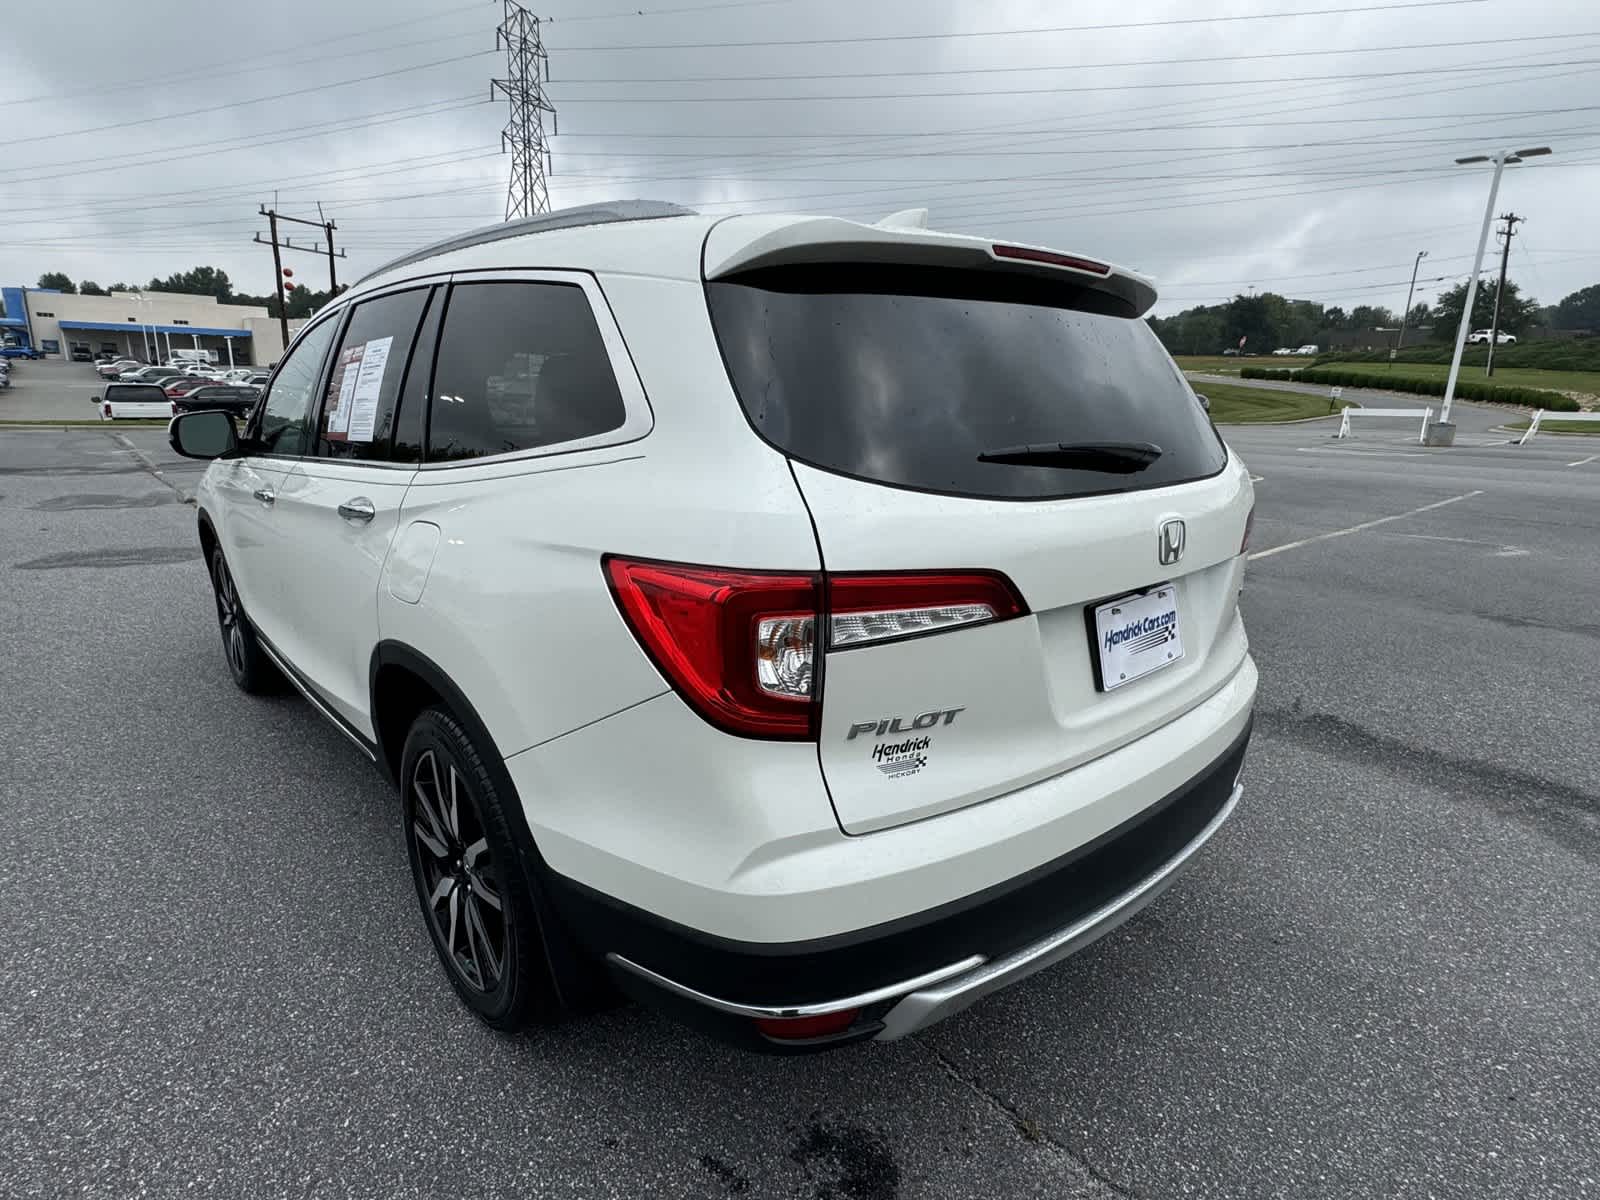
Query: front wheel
(483,920)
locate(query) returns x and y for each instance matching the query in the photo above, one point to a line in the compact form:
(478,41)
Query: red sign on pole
(1243,340)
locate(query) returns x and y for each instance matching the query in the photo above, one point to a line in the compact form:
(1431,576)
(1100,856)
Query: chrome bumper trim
(946,991)
(928,1004)
(798,1010)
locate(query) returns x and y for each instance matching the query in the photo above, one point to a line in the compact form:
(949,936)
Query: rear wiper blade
(1117,458)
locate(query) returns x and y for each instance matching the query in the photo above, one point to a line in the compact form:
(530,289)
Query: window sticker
(362,410)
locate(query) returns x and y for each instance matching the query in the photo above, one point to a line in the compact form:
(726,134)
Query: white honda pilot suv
(808,626)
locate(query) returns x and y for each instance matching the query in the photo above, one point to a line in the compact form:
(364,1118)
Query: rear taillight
(108,410)
(741,646)
(174,408)
(1249,524)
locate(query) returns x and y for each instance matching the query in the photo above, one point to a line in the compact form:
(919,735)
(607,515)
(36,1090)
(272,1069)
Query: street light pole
(1446,434)
(1405,313)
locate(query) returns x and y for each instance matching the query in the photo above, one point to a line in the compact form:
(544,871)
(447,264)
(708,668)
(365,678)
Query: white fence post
(1533,427)
(1344,424)
(1427,415)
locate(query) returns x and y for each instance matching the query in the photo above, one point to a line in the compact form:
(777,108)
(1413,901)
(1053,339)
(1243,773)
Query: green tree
(122,287)
(1581,310)
(1256,319)
(1335,318)
(90,288)
(58,282)
(1367,317)
(1516,311)
(197,281)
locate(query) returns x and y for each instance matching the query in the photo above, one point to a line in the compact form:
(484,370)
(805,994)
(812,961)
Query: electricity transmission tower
(527,71)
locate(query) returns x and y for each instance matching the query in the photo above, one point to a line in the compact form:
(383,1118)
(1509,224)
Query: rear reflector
(790,1029)
(1050,258)
(741,646)
(1249,525)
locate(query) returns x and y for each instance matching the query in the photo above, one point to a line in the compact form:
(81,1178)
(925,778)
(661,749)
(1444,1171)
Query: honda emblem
(1172,538)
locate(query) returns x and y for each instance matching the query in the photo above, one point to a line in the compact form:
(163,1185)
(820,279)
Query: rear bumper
(905,975)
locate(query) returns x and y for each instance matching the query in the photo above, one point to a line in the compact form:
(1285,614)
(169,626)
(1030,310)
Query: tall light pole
(1405,313)
(1442,432)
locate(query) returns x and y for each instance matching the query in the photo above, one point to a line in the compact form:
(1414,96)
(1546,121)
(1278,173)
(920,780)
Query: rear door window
(905,376)
(521,365)
(363,397)
(135,393)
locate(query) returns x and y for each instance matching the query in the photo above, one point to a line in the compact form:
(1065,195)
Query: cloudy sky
(1299,146)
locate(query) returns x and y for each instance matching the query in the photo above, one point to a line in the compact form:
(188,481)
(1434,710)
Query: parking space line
(1323,537)
(1581,461)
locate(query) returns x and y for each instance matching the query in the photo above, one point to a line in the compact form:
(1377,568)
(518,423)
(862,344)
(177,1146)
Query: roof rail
(561,218)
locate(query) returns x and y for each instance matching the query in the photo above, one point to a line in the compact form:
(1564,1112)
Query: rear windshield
(905,376)
(135,393)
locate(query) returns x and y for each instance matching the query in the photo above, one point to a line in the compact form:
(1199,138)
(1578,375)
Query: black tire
(249,665)
(467,874)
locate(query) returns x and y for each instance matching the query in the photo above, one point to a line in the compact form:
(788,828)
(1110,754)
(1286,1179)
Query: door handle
(359,510)
(265,495)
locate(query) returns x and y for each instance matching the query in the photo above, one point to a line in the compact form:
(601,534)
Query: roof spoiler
(747,243)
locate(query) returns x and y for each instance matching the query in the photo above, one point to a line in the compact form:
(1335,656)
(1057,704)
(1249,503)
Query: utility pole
(273,216)
(527,71)
(1510,231)
(277,275)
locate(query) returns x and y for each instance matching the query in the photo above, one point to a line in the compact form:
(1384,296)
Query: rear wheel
(247,662)
(482,918)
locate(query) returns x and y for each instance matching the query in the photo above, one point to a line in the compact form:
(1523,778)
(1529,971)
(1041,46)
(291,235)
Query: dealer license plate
(1136,635)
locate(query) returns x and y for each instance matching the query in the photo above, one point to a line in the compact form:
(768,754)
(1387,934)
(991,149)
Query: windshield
(907,376)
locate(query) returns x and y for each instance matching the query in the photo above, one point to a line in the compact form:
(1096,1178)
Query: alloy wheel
(228,615)
(464,899)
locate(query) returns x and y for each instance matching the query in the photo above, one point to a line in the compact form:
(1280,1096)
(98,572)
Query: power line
(977,33)
(1045,91)
(296,51)
(195,112)
(293,133)
(1088,66)
(665,12)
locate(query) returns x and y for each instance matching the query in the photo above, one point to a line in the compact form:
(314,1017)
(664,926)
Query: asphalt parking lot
(1381,979)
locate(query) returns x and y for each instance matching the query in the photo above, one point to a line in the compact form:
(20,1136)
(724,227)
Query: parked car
(21,352)
(808,701)
(1283,350)
(1308,348)
(81,354)
(135,400)
(116,367)
(1482,337)
(5,373)
(149,375)
(183,384)
(238,375)
(229,398)
(258,379)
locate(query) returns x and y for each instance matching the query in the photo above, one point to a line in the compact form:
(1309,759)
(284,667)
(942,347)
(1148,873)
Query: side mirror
(208,434)
(1204,403)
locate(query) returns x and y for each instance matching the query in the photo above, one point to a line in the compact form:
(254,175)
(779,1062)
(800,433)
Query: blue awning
(135,327)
